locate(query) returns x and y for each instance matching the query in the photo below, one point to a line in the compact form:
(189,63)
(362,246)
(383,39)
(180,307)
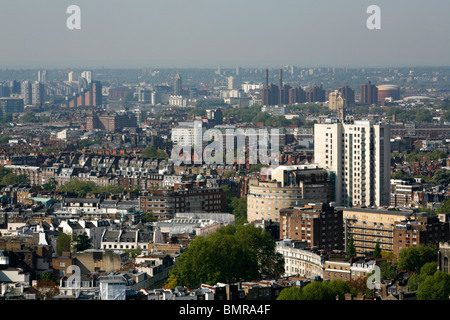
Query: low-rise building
(299,261)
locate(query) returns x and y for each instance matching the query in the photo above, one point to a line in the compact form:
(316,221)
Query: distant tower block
(266,77)
(280,73)
(177,88)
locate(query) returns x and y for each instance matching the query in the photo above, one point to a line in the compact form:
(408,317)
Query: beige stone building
(287,186)
(367,226)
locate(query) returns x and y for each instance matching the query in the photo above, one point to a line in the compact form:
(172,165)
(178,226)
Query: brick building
(427,230)
(318,225)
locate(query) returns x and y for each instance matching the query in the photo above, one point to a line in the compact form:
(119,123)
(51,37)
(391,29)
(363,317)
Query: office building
(358,156)
(297,95)
(231,83)
(215,114)
(177,86)
(368,93)
(42,76)
(37,93)
(189,133)
(348,94)
(26,92)
(11,105)
(315,94)
(87,75)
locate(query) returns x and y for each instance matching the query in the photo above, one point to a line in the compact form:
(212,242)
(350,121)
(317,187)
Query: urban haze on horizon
(199,33)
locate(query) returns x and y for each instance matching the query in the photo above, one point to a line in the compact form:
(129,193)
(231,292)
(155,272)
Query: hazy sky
(230,33)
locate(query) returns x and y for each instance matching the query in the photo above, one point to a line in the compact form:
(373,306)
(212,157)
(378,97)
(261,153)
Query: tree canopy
(316,290)
(231,254)
(415,257)
(153,153)
(83,188)
(351,249)
(63,243)
(441,177)
(434,287)
(82,242)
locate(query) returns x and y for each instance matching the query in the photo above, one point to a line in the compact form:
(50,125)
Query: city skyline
(229,34)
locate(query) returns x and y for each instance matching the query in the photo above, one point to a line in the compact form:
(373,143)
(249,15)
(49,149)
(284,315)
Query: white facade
(188,133)
(358,154)
(300,262)
(87,75)
(112,290)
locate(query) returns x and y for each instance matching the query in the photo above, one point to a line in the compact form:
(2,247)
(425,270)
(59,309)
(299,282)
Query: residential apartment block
(358,156)
(317,225)
(287,186)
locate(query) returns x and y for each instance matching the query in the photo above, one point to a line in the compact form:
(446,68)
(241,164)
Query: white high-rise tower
(358,156)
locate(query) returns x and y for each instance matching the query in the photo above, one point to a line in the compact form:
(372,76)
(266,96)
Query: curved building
(289,186)
(388,92)
(299,262)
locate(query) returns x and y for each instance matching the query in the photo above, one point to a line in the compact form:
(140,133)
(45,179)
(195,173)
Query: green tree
(416,279)
(12,178)
(441,177)
(47,277)
(377,251)
(82,242)
(231,254)
(171,281)
(445,116)
(63,243)
(291,293)
(6,118)
(351,249)
(429,268)
(387,271)
(149,217)
(444,207)
(317,290)
(261,117)
(153,153)
(110,189)
(424,115)
(133,253)
(415,257)
(435,287)
(29,116)
(236,206)
(436,155)
(50,185)
(82,188)
(399,175)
